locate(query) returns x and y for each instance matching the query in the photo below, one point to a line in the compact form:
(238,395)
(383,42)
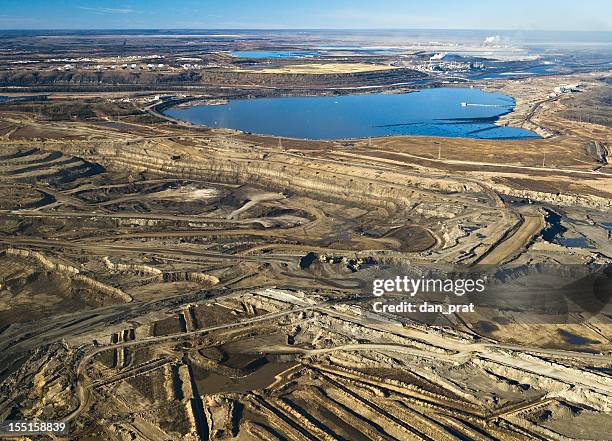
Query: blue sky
(595,15)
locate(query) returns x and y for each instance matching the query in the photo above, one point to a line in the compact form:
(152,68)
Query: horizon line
(300,29)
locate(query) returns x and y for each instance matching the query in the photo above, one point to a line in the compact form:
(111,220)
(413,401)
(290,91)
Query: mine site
(192,223)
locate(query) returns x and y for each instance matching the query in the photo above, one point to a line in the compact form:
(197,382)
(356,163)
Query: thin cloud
(108,10)
(12,19)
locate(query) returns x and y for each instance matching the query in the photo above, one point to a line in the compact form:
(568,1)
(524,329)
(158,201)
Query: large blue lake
(454,112)
(275,54)
(531,71)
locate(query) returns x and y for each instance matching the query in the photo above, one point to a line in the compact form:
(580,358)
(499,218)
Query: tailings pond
(453,112)
(275,54)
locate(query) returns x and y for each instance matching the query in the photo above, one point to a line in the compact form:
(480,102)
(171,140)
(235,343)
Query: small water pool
(555,233)
(575,339)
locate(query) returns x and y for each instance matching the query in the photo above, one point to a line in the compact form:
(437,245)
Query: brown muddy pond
(216,382)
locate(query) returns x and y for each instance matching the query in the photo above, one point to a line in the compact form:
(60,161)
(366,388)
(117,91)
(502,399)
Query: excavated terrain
(84,81)
(163,281)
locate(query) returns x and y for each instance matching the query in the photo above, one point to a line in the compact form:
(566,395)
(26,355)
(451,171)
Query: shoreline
(495,120)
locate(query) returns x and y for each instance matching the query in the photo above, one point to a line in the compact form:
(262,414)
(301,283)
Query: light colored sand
(330,68)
